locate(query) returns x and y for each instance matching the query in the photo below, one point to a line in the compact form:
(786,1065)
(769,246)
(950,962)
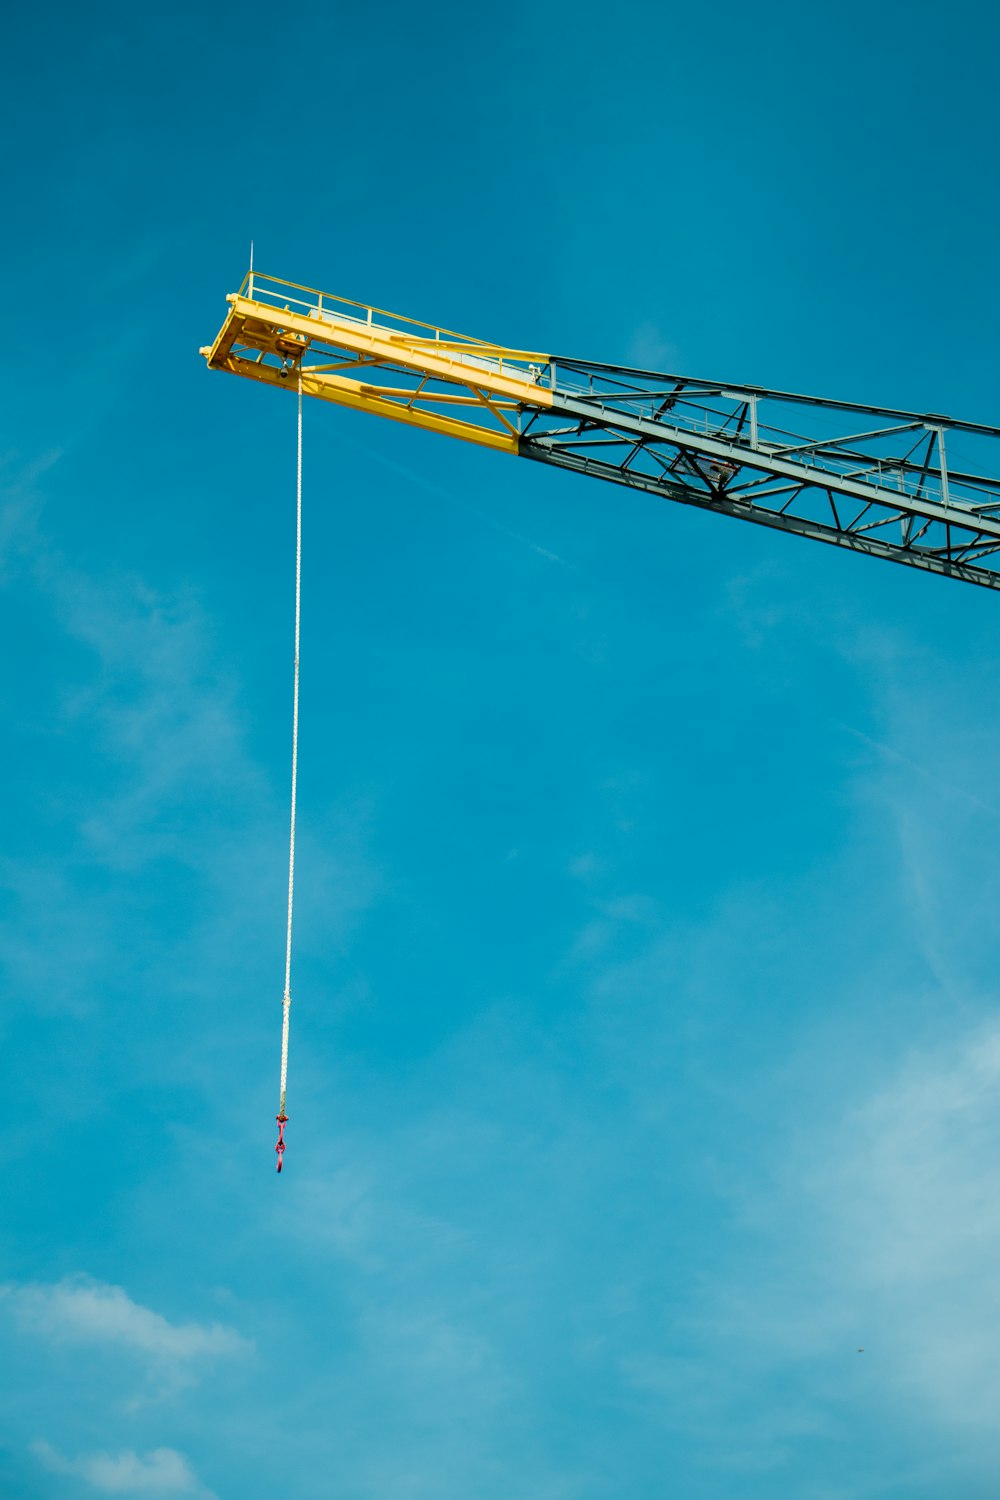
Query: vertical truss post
(942,464)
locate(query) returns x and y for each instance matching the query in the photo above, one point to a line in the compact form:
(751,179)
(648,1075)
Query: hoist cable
(286,1002)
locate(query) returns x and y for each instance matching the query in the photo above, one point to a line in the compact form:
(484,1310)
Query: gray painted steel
(887,491)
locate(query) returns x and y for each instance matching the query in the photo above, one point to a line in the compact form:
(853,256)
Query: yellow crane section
(375,361)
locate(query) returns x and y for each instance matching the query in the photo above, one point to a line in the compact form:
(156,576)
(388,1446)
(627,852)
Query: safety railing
(455,348)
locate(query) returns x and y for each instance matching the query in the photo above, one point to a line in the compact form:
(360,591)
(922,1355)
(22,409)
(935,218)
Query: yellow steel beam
(264,341)
(423,355)
(351,393)
(440,398)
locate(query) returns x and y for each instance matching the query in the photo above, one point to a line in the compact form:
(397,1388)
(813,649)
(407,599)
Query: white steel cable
(286,1002)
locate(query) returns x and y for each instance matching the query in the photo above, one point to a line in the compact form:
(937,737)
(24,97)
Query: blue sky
(645,1048)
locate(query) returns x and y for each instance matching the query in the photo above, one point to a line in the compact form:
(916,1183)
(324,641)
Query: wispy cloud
(80,1311)
(900,759)
(163,1471)
(22,505)
(869,1267)
(647,349)
(911,1205)
(430,488)
(179,789)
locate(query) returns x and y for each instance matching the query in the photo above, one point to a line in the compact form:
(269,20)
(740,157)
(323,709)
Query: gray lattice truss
(893,484)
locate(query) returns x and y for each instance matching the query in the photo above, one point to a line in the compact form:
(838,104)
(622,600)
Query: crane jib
(919,489)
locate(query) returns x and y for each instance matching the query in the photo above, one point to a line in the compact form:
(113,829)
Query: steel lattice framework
(920,489)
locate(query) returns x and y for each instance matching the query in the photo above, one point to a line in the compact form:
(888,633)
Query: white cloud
(882,1234)
(159,706)
(80,1311)
(151,695)
(914,1207)
(163,1471)
(22,504)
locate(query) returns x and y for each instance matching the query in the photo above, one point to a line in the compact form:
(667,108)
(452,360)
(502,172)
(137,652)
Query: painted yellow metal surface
(409,371)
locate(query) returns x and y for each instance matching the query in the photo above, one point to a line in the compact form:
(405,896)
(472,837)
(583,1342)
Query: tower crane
(874,479)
